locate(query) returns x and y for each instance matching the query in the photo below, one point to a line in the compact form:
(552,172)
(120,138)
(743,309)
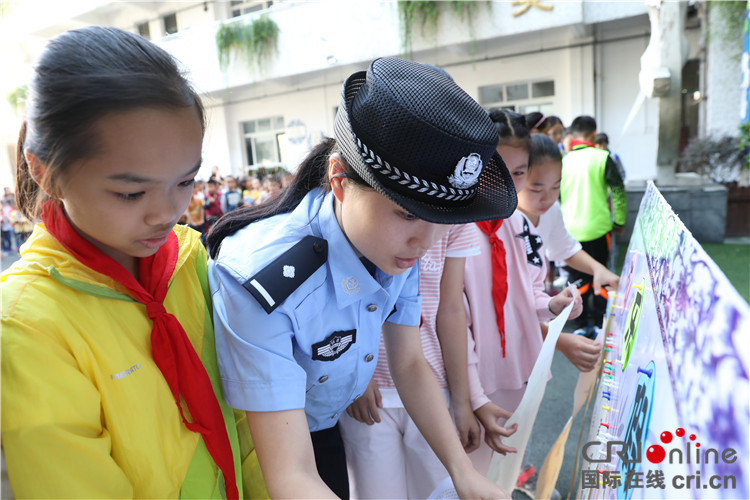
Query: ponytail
(511,128)
(28,191)
(312,173)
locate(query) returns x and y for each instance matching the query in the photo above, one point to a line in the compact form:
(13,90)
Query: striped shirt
(460,241)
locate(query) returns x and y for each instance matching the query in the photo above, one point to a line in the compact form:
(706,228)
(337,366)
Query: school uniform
(493,376)
(559,244)
(86,411)
(298,315)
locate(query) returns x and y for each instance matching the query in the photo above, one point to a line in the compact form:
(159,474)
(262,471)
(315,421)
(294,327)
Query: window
(242,7)
(521,97)
(170,23)
(262,141)
(144,30)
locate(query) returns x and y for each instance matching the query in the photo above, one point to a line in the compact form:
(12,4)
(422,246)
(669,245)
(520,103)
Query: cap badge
(467,171)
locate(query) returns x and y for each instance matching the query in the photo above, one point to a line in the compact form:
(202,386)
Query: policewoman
(302,286)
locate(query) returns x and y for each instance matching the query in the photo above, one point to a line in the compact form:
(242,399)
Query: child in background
(286,179)
(504,288)
(589,175)
(387,455)
(195,214)
(107,341)
(6,224)
(251,189)
(537,122)
(556,130)
(21,225)
(538,201)
(213,201)
(232,198)
(602,142)
(271,188)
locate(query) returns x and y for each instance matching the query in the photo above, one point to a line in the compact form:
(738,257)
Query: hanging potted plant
(256,41)
(426,13)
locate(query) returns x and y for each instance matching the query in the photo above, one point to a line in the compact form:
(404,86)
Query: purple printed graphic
(677,321)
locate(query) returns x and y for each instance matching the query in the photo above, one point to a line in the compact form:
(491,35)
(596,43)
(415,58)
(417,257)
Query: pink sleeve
(541,301)
(477,398)
(463,241)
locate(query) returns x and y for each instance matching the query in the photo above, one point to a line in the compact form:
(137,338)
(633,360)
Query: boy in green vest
(589,175)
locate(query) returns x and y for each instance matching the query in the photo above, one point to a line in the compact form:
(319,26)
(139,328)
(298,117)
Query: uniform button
(317,247)
(372,308)
(369,358)
(323,379)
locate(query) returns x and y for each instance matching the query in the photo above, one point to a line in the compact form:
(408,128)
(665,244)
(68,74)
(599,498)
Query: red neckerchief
(172,351)
(579,142)
(499,273)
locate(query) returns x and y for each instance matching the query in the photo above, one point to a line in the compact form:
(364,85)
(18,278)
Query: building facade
(562,58)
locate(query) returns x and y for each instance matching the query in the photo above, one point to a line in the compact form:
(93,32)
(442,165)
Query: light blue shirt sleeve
(256,377)
(409,302)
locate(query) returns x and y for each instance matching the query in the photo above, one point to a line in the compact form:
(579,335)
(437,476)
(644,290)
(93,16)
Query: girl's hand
(605,277)
(583,353)
(365,407)
(561,301)
(467,425)
(488,415)
(472,484)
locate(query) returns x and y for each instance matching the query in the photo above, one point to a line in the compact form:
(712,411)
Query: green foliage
(744,143)
(256,41)
(727,20)
(427,13)
(15,96)
(5,7)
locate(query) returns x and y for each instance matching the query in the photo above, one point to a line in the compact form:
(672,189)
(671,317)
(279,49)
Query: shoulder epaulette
(275,282)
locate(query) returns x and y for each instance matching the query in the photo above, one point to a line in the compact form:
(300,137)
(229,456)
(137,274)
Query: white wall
(723,80)
(618,64)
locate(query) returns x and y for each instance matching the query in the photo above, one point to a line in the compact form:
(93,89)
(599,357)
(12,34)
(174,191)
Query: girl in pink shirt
(386,454)
(505,336)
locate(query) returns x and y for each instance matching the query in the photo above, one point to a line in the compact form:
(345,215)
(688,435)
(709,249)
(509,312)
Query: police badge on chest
(334,345)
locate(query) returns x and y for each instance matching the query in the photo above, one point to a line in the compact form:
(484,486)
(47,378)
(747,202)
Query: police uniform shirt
(318,347)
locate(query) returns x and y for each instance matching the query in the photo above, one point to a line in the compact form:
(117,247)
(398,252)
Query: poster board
(671,414)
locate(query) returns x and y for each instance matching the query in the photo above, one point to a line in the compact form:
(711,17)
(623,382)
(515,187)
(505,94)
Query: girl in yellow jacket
(110,386)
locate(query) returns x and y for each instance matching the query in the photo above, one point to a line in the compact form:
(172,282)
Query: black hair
(542,146)
(81,76)
(536,120)
(312,173)
(601,138)
(554,120)
(511,127)
(582,126)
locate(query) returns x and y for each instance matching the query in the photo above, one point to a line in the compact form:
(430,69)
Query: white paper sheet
(504,469)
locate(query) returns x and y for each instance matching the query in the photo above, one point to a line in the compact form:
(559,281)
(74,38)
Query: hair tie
(541,120)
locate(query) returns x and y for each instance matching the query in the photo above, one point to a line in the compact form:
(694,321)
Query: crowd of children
(16,228)
(220,195)
(363,328)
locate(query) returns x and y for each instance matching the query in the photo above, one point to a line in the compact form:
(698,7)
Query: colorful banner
(672,410)
(745,85)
